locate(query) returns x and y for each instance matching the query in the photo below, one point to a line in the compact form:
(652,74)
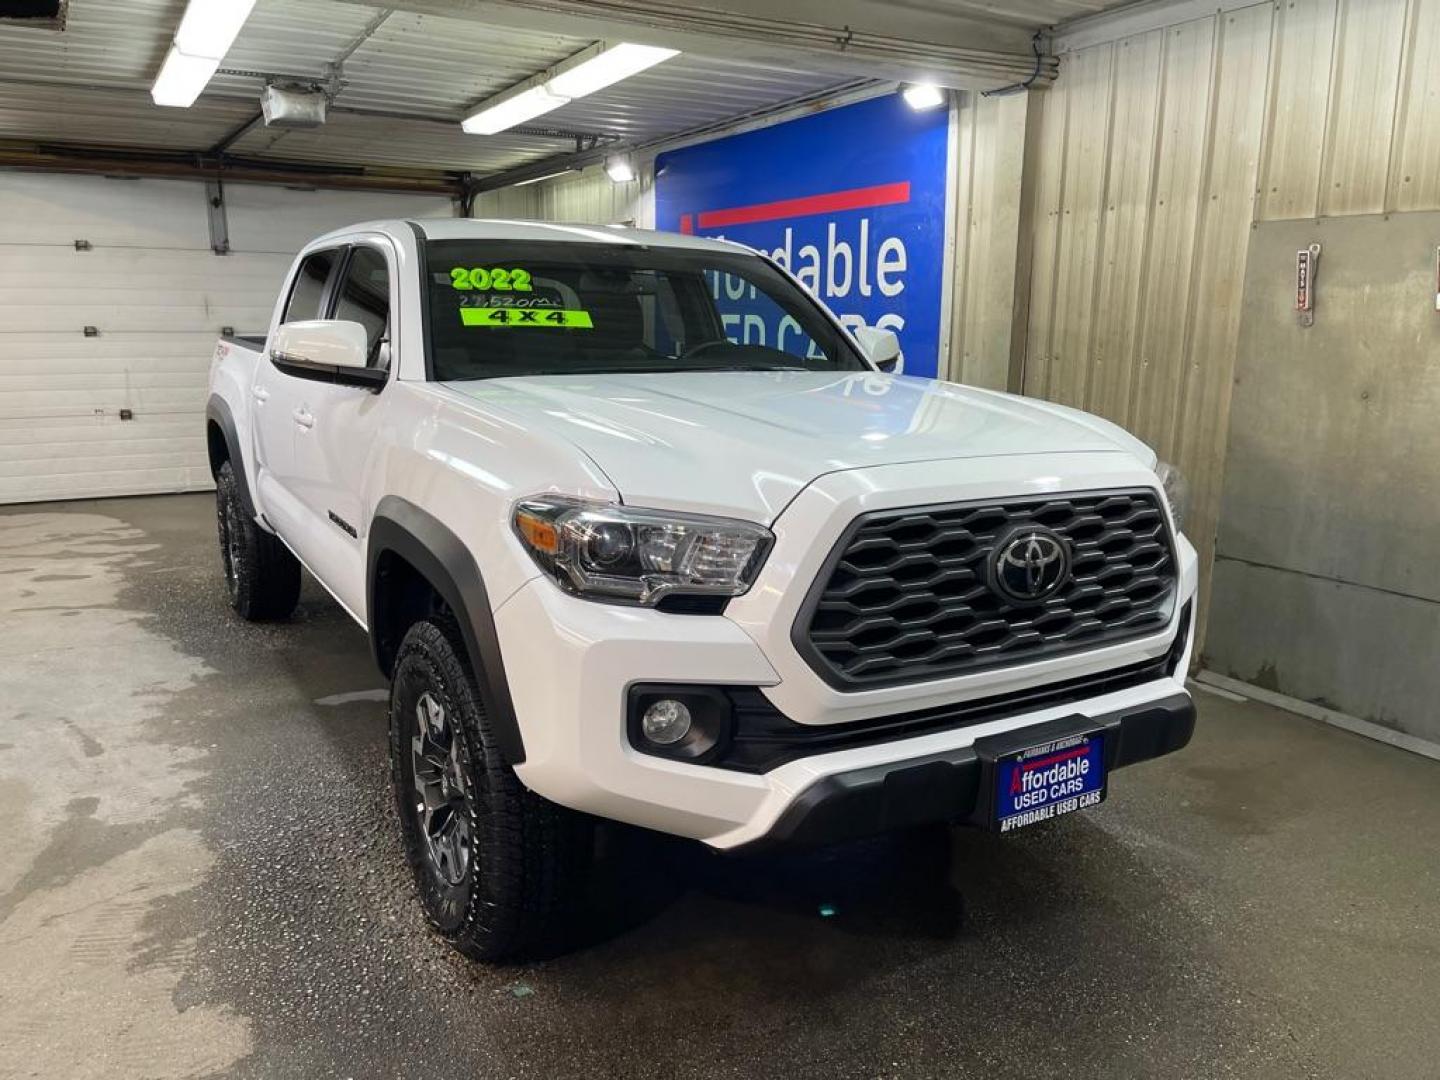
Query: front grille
(904,597)
(764,738)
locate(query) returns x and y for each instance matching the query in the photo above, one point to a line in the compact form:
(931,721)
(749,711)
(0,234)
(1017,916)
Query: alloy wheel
(436,754)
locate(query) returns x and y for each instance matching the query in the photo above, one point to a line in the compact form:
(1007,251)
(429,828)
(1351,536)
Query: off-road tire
(528,858)
(262,578)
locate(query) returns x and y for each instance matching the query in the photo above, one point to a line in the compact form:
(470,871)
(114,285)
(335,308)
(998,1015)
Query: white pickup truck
(639,531)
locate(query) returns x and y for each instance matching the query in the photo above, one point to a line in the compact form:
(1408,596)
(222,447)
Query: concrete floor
(200,876)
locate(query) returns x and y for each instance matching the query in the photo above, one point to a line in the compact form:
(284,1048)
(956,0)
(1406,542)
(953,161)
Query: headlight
(625,555)
(1177,491)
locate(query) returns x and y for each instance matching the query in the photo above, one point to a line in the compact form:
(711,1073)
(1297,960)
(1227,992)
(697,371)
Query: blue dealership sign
(851,200)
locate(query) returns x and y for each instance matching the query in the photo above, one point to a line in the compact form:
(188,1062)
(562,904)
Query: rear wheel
(262,578)
(499,869)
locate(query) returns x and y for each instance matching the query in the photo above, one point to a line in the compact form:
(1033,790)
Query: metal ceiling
(90,84)
(406,80)
(1026,13)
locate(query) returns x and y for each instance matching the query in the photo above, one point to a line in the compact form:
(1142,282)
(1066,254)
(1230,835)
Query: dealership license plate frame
(1054,750)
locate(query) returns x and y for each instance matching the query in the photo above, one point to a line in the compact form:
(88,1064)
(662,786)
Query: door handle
(304,418)
(260,394)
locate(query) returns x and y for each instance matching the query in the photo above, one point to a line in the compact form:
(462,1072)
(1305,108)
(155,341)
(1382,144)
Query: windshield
(502,308)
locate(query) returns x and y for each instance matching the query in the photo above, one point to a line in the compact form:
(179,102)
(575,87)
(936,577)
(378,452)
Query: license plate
(1043,782)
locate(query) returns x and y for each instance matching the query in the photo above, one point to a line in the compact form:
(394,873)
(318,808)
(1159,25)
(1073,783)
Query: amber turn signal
(538,533)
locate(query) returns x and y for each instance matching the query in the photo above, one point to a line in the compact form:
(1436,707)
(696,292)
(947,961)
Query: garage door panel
(96,436)
(30,350)
(118,317)
(21,435)
(96,485)
(161,458)
(46,209)
(159,296)
(135,280)
(138,377)
(62,267)
(29,290)
(140,400)
(68,375)
(74,459)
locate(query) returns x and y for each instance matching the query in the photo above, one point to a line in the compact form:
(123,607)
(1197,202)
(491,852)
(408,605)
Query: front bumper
(955,785)
(570,664)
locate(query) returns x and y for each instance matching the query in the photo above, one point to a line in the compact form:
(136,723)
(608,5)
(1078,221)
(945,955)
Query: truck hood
(745,443)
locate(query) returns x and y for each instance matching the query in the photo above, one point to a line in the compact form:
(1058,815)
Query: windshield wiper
(742,367)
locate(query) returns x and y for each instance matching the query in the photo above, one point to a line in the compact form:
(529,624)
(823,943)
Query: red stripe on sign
(687,224)
(833,202)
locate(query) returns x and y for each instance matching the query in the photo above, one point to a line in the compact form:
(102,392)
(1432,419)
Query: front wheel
(262,578)
(499,869)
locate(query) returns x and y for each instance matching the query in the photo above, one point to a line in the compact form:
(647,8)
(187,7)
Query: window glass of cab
(516,308)
(308,292)
(365,296)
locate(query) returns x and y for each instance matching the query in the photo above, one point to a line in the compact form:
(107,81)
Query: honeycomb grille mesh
(906,597)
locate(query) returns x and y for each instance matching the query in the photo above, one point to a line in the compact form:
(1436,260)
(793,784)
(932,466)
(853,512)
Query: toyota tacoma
(640,531)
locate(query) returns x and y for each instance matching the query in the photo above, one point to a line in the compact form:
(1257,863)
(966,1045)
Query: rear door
(281,408)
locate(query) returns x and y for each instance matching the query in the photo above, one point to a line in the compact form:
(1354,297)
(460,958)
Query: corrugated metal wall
(990,267)
(1158,150)
(590,197)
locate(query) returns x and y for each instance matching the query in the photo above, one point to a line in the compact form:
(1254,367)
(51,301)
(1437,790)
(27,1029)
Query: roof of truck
(501,229)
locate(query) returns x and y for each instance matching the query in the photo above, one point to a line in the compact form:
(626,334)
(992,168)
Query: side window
(365,298)
(308,292)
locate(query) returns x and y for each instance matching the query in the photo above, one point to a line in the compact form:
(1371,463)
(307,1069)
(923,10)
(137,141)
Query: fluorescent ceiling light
(209,27)
(513,110)
(923,96)
(609,67)
(207,30)
(181,79)
(546,176)
(584,73)
(620,170)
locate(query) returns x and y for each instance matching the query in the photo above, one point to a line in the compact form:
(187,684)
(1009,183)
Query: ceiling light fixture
(207,30)
(589,70)
(606,68)
(546,176)
(920,96)
(513,110)
(181,79)
(620,169)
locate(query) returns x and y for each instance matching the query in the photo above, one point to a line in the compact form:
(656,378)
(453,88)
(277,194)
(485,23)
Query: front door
(281,407)
(333,448)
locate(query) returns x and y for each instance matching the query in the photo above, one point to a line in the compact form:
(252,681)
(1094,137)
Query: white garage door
(122,412)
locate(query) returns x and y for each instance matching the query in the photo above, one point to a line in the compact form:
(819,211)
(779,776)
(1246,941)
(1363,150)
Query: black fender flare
(217,411)
(430,547)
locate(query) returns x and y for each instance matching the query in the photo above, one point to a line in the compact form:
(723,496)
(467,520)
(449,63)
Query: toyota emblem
(1029,564)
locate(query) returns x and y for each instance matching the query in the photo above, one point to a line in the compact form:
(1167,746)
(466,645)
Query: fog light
(666,722)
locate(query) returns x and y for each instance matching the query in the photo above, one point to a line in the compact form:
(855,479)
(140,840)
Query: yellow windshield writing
(571,318)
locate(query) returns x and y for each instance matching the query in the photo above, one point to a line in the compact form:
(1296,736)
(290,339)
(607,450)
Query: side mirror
(881,347)
(326,350)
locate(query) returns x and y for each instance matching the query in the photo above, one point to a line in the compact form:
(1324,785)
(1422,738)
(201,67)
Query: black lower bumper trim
(953,786)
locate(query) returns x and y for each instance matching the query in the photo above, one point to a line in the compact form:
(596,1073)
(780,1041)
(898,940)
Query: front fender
(438,555)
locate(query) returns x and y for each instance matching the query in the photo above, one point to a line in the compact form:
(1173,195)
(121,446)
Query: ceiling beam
(181,165)
(861,38)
